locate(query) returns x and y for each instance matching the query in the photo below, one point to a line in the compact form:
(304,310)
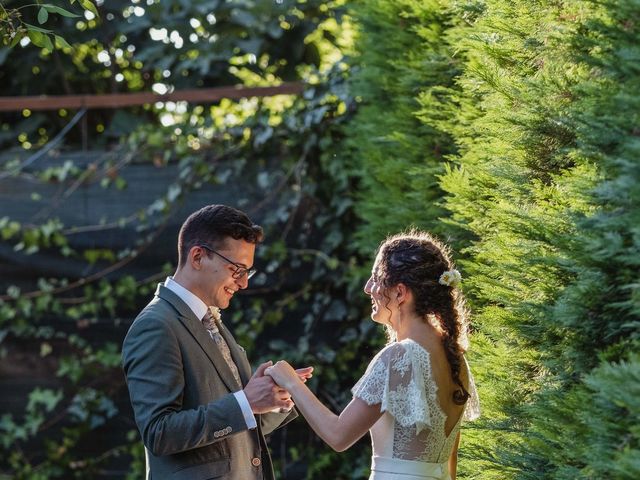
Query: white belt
(410,467)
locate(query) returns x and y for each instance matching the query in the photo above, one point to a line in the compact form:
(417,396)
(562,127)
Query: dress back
(412,427)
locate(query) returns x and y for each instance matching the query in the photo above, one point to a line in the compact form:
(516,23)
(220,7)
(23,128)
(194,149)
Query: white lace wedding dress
(409,440)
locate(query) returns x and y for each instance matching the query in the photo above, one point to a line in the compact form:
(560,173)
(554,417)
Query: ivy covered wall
(90,228)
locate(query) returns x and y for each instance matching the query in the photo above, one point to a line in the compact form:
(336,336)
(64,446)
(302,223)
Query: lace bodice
(412,426)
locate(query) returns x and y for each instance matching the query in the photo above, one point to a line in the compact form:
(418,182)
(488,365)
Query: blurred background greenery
(508,128)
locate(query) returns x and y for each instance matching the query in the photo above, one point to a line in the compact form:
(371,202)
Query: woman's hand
(285,376)
(304,374)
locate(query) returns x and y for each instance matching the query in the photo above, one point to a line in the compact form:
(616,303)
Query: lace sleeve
(371,385)
(395,380)
(472,409)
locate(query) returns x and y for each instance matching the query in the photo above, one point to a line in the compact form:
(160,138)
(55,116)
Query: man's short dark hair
(212,225)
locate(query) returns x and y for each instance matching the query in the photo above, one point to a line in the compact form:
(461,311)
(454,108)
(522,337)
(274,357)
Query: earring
(398,323)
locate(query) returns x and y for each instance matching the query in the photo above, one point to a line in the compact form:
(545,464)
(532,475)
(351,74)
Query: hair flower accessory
(450,278)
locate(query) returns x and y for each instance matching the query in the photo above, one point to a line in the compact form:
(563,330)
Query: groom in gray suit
(199,410)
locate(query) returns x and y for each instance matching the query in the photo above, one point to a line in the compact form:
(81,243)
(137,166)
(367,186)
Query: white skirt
(383,468)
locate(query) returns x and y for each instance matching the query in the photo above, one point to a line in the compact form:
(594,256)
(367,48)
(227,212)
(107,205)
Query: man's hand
(264,395)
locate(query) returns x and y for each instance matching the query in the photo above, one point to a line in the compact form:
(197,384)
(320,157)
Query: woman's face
(380,311)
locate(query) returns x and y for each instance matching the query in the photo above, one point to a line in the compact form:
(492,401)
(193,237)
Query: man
(200,412)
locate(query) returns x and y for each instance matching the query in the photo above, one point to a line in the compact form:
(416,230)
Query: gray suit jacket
(181,390)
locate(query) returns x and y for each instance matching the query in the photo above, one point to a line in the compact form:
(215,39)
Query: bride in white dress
(417,390)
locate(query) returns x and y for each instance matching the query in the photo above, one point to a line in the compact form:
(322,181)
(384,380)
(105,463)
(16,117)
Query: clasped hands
(268,388)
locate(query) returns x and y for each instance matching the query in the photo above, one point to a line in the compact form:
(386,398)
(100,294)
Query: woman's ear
(401,292)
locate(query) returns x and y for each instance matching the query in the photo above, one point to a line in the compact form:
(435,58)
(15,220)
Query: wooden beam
(119,100)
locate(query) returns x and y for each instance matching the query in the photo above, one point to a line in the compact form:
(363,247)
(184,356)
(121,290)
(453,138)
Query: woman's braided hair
(417,260)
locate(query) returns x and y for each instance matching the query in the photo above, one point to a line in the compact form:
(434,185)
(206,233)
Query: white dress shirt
(199,308)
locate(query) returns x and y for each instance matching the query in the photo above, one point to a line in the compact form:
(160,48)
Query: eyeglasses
(240,270)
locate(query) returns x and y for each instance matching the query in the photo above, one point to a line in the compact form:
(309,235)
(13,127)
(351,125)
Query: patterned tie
(210,324)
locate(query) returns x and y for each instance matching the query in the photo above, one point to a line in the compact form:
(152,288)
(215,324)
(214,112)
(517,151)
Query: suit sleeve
(271,421)
(153,368)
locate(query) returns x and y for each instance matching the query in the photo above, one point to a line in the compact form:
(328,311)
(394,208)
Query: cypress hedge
(537,189)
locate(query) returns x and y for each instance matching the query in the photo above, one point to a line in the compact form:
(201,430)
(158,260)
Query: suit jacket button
(256,462)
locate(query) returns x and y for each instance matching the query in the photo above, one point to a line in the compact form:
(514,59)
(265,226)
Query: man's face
(216,285)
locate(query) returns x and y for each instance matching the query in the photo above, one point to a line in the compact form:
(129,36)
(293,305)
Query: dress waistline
(420,470)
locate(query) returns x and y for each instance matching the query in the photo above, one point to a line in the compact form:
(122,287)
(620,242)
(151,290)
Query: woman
(418,389)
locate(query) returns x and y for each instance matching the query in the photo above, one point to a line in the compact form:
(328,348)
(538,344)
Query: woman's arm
(453,459)
(339,432)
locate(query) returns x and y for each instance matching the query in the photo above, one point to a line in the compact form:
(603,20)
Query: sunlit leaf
(61,42)
(43,15)
(48,43)
(60,11)
(88,5)
(16,40)
(33,28)
(37,38)
(44,397)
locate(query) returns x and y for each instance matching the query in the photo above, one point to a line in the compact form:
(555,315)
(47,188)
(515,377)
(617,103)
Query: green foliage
(600,307)
(406,75)
(528,186)
(538,110)
(397,157)
(506,127)
(301,187)
(41,402)
(14,28)
(163,46)
(598,418)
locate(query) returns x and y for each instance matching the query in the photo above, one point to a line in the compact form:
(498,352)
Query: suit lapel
(200,334)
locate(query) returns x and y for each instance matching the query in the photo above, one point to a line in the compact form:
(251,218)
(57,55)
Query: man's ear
(196,255)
